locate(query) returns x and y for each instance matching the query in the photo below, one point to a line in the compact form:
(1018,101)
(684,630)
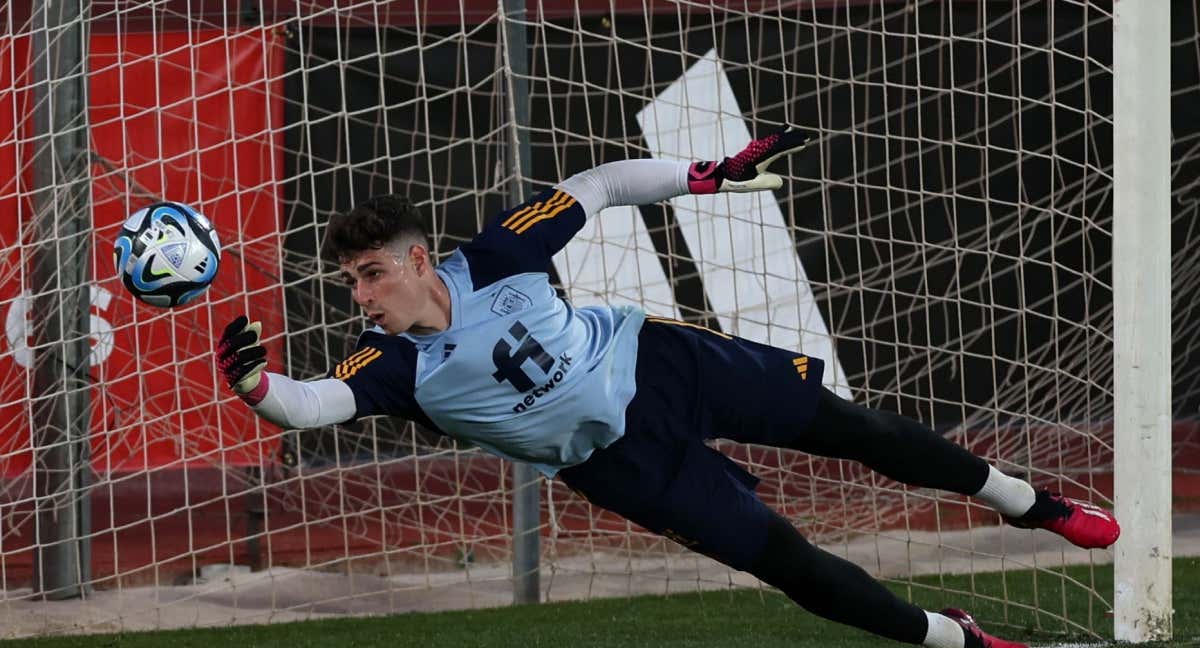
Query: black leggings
(897,447)
(890,444)
(834,588)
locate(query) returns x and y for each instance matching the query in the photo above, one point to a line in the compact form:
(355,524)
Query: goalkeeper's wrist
(253,388)
(704,177)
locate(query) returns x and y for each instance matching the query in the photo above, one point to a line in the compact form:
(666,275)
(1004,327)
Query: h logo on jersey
(508,364)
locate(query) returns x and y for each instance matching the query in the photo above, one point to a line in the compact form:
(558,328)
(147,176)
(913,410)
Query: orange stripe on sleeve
(519,214)
(351,365)
(546,215)
(558,198)
(513,220)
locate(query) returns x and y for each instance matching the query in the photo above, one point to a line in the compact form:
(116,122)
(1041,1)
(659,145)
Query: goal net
(944,244)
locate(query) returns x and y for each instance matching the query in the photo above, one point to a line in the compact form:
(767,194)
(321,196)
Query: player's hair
(377,223)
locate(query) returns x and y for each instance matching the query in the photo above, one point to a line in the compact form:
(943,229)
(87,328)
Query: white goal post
(991,233)
(1142,319)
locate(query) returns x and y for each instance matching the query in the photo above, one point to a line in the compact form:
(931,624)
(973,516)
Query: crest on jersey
(510,300)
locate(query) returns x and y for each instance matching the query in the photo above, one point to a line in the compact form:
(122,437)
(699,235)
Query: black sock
(1046,507)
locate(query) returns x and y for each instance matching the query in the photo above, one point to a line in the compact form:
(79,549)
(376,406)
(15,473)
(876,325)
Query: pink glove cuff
(703,178)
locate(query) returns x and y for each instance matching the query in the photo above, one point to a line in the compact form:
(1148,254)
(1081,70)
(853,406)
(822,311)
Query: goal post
(60,414)
(1142,319)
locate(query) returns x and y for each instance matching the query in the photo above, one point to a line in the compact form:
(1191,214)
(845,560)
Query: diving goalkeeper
(618,404)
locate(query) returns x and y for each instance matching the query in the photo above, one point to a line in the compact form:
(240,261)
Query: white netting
(944,245)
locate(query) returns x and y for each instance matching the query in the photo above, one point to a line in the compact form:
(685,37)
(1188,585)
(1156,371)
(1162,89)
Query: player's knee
(846,430)
(786,557)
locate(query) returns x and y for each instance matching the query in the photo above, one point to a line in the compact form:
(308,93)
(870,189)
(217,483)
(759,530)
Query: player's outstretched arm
(275,397)
(643,182)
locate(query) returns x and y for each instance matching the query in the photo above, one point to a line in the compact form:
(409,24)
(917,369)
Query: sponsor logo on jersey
(544,388)
(508,361)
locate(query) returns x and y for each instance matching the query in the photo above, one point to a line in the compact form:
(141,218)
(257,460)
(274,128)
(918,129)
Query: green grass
(723,618)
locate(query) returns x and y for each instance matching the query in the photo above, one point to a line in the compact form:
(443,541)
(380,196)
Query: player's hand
(747,171)
(240,356)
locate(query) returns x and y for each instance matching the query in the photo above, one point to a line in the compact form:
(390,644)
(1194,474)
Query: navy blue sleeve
(524,238)
(382,374)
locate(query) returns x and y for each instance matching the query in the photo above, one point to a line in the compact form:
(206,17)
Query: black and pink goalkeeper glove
(747,171)
(241,359)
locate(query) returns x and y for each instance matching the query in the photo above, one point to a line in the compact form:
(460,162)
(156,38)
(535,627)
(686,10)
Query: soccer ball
(167,254)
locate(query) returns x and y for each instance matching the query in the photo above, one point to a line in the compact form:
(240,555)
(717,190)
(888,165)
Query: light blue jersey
(518,372)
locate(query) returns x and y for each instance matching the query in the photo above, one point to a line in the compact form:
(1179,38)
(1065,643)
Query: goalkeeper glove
(241,359)
(747,171)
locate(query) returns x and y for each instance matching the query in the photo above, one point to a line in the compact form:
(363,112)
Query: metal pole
(1142,318)
(61,285)
(526,491)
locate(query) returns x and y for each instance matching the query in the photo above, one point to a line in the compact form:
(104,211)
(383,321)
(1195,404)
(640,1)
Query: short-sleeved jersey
(519,371)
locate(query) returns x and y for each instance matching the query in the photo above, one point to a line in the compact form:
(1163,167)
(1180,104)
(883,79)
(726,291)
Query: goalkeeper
(618,404)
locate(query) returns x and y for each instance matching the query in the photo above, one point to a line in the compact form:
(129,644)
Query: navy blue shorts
(694,384)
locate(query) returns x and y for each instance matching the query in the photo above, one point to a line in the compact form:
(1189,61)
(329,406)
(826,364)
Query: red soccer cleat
(1085,525)
(974,636)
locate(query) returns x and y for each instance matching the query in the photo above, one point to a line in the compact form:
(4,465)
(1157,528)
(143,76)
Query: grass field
(712,619)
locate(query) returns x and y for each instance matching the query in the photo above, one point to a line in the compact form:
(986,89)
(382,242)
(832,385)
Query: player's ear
(418,254)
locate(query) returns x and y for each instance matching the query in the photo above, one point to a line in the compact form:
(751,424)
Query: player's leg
(699,498)
(904,450)
(911,453)
(756,393)
(839,590)
(661,476)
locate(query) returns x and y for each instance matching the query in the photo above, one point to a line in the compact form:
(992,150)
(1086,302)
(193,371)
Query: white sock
(943,632)
(1009,496)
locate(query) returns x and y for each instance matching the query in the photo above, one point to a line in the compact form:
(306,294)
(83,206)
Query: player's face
(388,287)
